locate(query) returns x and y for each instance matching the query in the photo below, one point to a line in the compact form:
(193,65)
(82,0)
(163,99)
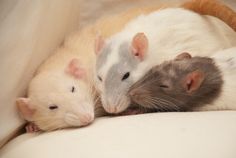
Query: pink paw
(31,127)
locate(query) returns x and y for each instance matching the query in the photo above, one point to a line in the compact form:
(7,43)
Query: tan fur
(213,8)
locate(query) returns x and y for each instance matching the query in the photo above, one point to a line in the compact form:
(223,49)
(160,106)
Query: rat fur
(164,87)
(148,40)
(179,85)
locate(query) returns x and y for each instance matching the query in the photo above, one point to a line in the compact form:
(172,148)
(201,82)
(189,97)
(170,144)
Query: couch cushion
(164,135)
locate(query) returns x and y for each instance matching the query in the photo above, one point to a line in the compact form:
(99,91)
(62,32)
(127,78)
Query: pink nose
(111,109)
(86,119)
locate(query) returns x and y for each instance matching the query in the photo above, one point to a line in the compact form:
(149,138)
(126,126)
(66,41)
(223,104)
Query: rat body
(189,84)
(148,40)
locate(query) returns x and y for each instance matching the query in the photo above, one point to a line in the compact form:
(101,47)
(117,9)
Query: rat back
(203,35)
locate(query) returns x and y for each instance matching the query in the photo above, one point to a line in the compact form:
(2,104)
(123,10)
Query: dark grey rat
(181,84)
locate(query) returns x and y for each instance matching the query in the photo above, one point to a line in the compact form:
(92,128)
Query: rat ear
(139,45)
(182,56)
(193,81)
(25,108)
(98,44)
(74,69)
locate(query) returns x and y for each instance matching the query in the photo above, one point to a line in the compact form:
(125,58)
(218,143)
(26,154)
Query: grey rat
(179,85)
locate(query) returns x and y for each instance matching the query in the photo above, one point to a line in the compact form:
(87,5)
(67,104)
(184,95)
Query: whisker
(165,103)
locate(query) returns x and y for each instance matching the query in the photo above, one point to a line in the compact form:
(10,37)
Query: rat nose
(86,118)
(79,120)
(111,109)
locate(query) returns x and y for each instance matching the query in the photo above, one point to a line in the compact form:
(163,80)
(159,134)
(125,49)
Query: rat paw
(31,127)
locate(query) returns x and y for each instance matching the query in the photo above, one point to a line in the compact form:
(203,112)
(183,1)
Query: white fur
(165,42)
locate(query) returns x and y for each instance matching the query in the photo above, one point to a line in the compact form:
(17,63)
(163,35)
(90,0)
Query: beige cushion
(163,135)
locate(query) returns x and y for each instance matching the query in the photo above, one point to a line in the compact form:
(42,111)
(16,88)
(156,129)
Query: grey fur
(148,91)
(127,63)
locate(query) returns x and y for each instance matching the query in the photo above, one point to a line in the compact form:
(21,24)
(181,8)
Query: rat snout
(79,119)
(116,105)
(111,109)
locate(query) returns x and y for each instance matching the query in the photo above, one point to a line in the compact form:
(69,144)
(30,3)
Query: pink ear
(75,69)
(193,81)
(182,56)
(25,108)
(99,44)
(140,45)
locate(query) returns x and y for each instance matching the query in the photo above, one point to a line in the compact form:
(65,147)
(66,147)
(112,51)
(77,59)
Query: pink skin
(75,69)
(31,128)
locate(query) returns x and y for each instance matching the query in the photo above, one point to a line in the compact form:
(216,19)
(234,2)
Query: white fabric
(164,135)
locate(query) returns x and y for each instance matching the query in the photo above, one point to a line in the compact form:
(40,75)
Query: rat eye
(125,76)
(73,89)
(100,79)
(53,107)
(164,86)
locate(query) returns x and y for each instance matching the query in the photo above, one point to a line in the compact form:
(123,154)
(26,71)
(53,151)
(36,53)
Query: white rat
(61,94)
(147,41)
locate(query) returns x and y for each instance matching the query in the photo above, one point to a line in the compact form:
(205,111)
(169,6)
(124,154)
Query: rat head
(178,85)
(114,70)
(59,99)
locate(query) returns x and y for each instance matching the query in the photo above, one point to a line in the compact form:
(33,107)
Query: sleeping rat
(186,84)
(61,93)
(148,40)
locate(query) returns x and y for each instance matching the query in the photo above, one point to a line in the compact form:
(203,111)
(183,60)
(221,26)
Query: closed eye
(73,89)
(100,79)
(53,107)
(164,86)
